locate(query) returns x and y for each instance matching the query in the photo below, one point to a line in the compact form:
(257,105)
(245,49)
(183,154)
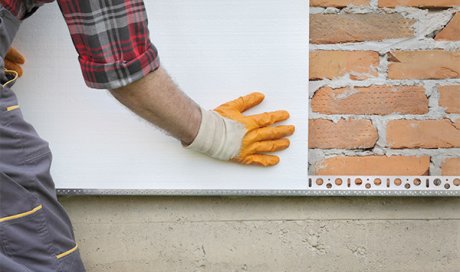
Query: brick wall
(384,87)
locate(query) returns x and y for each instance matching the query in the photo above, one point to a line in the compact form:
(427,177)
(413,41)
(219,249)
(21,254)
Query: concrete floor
(266,234)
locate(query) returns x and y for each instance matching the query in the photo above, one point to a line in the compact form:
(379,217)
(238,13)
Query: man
(115,53)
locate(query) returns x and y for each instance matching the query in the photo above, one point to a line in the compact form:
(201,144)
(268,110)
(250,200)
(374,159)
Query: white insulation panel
(215,50)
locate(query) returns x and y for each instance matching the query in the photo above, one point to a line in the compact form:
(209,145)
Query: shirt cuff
(119,74)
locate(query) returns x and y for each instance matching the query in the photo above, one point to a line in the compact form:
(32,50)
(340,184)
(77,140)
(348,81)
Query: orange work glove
(13,61)
(227,134)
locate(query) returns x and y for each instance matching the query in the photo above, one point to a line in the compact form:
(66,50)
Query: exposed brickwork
(423,134)
(338,3)
(332,64)
(424,64)
(393,71)
(345,134)
(375,165)
(450,98)
(419,3)
(451,167)
(452,31)
(371,100)
(343,28)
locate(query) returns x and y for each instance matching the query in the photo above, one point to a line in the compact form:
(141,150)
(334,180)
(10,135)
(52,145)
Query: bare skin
(157,99)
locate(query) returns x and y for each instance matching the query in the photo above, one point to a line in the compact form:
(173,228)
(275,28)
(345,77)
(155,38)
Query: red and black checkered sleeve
(112,40)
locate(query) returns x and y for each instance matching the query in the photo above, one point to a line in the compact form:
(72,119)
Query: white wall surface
(215,50)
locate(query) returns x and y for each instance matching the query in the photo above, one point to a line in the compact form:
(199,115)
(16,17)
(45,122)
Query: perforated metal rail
(315,186)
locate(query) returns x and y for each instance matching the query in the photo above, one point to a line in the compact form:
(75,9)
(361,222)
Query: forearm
(157,99)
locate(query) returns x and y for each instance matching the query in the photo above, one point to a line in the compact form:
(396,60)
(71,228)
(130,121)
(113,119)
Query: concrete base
(266,234)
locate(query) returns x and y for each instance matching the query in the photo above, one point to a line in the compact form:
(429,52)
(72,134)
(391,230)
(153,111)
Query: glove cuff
(218,137)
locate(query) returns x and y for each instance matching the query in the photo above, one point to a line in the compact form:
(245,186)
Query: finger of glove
(244,103)
(268,118)
(261,160)
(14,56)
(13,66)
(266,146)
(269,133)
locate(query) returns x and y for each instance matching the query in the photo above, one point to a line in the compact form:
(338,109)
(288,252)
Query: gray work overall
(35,232)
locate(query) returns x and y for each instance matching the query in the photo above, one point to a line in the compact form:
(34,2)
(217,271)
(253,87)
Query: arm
(158,100)
(128,65)
(224,133)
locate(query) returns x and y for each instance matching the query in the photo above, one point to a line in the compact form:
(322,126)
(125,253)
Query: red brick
(450,98)
(345,134)
(424,64)
(451,167)
(423,133)
(379,100)
(452,31)
(343,28)
(338,3)
(332,64)
(419,3)
(375,165)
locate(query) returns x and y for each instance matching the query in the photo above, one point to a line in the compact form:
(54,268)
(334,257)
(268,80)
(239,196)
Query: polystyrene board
(215,50)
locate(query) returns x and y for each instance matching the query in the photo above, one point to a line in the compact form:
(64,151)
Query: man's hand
(260,137)
(227,134)
(14,60)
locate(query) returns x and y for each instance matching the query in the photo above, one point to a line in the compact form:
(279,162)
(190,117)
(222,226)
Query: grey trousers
(35,232)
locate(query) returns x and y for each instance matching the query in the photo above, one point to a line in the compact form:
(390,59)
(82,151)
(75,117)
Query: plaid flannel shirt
(111,38)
